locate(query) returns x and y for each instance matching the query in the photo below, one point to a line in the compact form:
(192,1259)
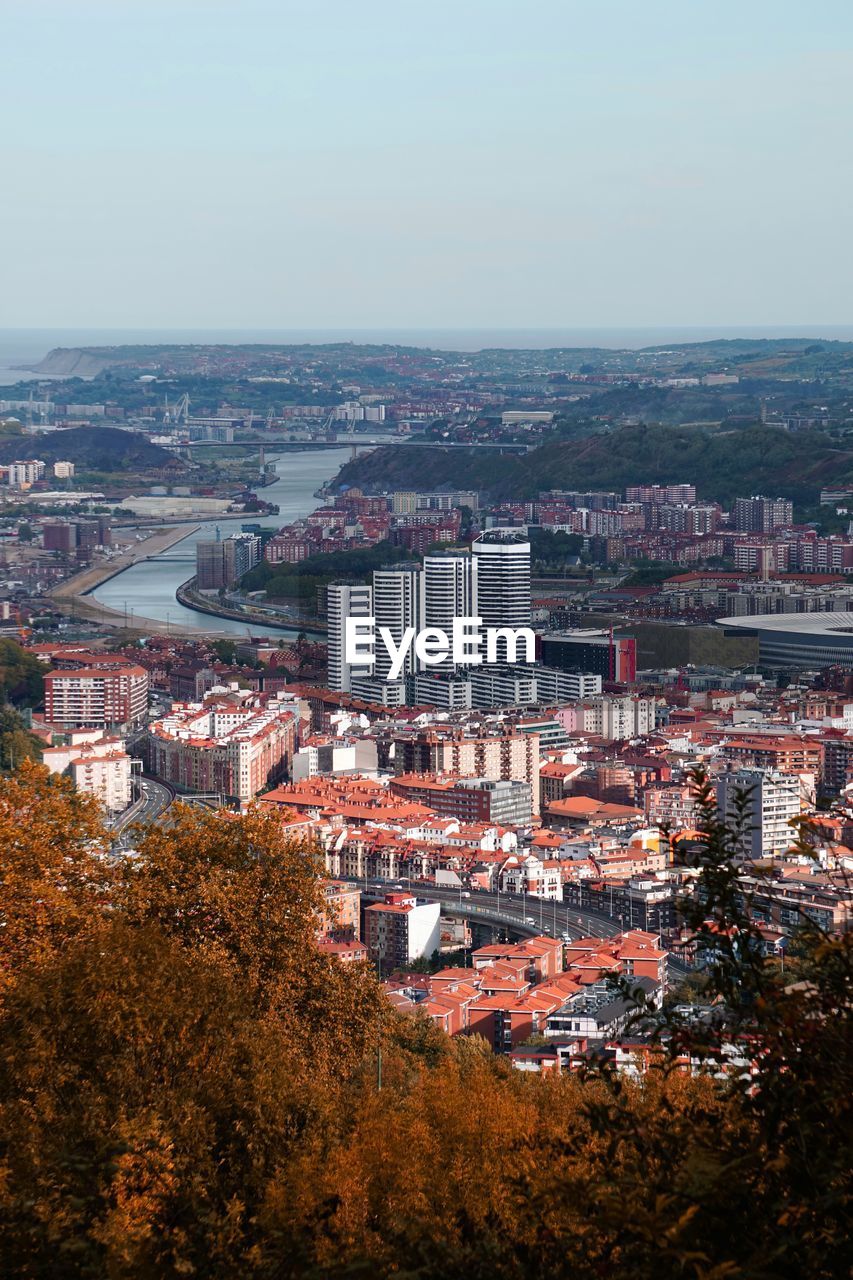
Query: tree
(21,674)
(245,891)
(52,879)
(224,650)
(16,742)
(188,1086)
(161,1107)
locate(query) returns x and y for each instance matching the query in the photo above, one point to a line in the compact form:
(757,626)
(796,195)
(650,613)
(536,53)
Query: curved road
(156,798)
(529,914)
(525,914)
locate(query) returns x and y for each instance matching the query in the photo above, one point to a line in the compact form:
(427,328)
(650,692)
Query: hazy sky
(392,163)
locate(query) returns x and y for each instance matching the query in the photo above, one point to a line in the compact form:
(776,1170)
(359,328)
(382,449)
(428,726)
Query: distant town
(500,839)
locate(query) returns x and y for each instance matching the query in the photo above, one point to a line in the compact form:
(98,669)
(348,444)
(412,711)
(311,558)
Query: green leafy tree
(21,674)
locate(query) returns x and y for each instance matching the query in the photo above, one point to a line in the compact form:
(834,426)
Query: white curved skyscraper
(503,578)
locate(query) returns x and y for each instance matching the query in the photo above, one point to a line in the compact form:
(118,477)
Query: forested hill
(90,449)
(722,464)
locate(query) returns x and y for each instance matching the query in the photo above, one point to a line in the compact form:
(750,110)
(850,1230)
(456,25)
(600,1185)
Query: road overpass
(522,916)
(271,444)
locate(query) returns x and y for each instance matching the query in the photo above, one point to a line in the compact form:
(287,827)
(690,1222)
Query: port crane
(179,412)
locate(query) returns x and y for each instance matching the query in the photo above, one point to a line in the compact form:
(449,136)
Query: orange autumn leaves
(188,1087)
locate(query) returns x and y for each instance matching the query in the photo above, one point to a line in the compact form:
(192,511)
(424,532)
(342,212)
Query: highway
(155,800)
(524,914)
(158,797)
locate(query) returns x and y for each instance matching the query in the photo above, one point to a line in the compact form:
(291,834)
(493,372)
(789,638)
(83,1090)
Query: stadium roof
(824,623)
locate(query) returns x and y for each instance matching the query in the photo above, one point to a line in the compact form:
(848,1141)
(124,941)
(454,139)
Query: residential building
(59,535)
(401,929)
(539,877)
(190,684)
(503,801)
(448,591)
(771,800)
(95,697)
(222,562)
(762,515)
(98,765)
(503,579)
(397,606)
(447,690)
(24,474)
(837,765)
(341,911)
(673,807)
(612,717)
(661,493)
(231,746)
(521,685)
(513,756)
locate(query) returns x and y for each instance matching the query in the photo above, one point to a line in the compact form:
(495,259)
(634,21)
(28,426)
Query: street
(523,913)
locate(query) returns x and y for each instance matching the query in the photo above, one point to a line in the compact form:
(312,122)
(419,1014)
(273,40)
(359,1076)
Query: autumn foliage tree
(188,1087)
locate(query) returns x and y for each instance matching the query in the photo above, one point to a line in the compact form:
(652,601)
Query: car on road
(529,920)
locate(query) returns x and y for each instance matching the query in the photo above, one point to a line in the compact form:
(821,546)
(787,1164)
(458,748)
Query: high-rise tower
(448,591)
(344,601)
(397,606)
(503,578)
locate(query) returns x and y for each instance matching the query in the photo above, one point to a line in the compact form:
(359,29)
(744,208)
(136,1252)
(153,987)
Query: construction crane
(178,411)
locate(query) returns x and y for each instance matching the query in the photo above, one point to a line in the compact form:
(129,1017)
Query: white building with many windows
(99,766)
(345,601)
(503,578)
(772,800)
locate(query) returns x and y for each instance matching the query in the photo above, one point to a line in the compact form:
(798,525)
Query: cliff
(73,362)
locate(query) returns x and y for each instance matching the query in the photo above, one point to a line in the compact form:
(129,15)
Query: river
(148,588)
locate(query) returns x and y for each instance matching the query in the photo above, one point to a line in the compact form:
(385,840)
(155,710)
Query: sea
(23,347)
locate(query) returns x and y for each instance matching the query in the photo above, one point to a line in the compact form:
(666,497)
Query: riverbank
(151,585)
(73,595)
(188,596)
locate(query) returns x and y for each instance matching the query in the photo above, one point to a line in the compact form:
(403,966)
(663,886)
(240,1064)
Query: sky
(482,163)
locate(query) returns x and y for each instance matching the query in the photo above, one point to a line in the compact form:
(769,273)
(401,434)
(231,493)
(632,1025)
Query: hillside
(722,464)
(751,358)
(90,449)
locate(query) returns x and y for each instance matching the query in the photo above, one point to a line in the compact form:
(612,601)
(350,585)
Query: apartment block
(99,766)
(222,562)
(233,748)
(772,800)
(401,929)
(505,802)
(762,515)
(512,756)
(96,698)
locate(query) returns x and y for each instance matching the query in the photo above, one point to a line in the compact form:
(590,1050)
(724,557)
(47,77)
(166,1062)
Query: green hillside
(90,449)
(723,464)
